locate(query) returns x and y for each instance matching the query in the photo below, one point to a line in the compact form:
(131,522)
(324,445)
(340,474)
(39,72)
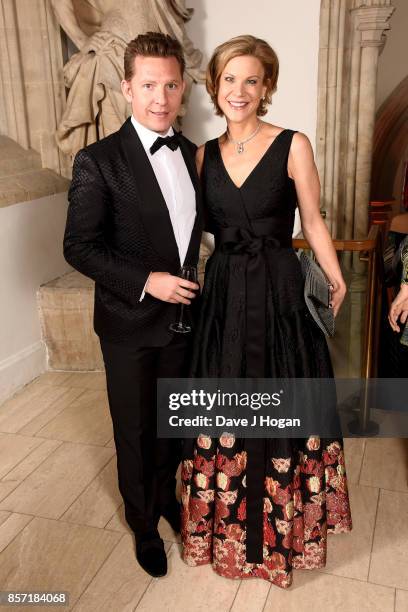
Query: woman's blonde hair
(243,45)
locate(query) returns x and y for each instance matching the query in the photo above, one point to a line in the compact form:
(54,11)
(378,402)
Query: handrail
(367,244)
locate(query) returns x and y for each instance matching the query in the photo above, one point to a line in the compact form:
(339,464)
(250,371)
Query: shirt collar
(148,137)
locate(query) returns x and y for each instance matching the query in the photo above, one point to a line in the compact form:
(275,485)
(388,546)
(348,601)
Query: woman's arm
(302,169)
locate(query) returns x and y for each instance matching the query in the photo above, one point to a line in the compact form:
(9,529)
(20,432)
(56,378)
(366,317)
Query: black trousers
(146,465)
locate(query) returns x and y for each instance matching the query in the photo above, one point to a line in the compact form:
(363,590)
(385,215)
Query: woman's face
(241,87)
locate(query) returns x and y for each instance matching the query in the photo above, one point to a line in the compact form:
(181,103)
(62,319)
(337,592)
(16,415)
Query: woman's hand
(338,293)
(399,309)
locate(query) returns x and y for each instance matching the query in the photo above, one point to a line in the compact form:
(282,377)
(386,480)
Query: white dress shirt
(175,184)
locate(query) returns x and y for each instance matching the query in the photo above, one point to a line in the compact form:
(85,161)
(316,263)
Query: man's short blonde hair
(152,44)
(243,45)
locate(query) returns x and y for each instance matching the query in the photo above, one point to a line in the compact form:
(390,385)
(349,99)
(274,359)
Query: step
(66,315)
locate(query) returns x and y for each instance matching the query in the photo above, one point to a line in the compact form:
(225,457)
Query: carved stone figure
(101,30)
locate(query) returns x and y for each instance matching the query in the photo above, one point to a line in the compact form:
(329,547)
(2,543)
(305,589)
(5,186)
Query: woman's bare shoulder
(301,146)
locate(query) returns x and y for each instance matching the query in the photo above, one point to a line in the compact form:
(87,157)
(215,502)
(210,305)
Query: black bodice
(253,319)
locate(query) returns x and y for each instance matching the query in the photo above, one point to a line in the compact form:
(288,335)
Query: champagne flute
(180,327)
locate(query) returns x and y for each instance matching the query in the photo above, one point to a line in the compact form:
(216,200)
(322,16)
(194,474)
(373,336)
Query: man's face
(155,91)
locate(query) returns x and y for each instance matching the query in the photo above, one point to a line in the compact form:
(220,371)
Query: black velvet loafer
(151,555)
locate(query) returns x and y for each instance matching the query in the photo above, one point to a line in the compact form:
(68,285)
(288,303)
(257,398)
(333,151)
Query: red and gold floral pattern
(305,498)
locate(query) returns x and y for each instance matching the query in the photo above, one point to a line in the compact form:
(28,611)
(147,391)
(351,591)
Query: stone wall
(32,87)
(31,235)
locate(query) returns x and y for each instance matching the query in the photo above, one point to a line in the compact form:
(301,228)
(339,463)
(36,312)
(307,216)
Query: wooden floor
(62,525)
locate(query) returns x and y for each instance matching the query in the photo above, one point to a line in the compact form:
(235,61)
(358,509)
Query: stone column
(329,101)
(14,122)
(351,38)
(53,63)
(371,22)
(332,101)
(351,130)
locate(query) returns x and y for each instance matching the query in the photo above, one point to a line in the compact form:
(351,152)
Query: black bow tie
(172,142)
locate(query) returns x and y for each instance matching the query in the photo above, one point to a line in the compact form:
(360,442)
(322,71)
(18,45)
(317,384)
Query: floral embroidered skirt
(305,497)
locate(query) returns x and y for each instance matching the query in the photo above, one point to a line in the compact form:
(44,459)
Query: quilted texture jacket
(119,230)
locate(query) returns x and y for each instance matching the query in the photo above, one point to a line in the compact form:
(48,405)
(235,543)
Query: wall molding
(19,369)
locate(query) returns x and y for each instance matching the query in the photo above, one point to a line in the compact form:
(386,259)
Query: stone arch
(390,145)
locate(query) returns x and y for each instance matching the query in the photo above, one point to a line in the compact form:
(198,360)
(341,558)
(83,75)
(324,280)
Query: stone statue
(101,29)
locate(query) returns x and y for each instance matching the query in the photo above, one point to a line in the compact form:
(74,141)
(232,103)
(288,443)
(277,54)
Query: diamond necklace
(240,143)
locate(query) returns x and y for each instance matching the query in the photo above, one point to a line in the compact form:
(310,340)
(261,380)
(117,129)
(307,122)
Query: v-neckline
(254,168)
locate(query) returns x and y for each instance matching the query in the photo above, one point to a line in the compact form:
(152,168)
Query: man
(134,217)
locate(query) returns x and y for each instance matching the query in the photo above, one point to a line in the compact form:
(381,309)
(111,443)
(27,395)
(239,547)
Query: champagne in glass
(180,327)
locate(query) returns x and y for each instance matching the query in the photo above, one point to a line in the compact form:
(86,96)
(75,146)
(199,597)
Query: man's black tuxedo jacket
(119,230)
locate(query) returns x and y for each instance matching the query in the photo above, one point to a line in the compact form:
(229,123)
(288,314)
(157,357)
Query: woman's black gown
(254,323)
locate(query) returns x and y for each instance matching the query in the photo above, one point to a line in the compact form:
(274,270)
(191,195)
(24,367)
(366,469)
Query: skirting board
(21,368)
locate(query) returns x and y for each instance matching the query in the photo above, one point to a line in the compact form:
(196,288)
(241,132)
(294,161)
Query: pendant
(240,148)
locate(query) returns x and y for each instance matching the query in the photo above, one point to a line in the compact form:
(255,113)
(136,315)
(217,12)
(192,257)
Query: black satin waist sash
(254,243)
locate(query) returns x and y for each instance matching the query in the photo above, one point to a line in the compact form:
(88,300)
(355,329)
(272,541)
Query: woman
(259,509)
